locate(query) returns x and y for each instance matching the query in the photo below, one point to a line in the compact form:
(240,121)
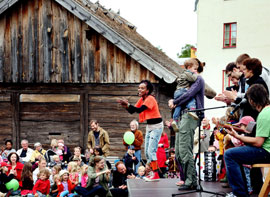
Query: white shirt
(28,154)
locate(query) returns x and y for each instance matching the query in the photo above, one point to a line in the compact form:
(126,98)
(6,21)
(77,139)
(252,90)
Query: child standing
(129,158)
(42,186)
(184,82)
(65,186)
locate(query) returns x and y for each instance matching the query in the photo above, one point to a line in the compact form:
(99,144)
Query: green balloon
(129,137)
(13,184)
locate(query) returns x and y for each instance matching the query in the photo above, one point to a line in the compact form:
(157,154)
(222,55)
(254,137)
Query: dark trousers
(87,192)
(117,192)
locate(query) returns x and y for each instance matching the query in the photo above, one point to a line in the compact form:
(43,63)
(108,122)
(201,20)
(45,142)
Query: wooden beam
(84,120)
(5,4)
(86,117)
(15,106)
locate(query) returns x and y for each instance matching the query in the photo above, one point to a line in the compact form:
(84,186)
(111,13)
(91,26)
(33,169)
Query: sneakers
(148,176)
(230,195)
(193,115)
(174,126)
(153,178)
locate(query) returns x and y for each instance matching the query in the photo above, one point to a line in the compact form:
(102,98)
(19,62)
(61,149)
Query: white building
(226,29)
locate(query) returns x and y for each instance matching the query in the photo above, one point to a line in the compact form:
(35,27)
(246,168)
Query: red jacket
(42,186)
(161,154)
(71,187)
(18,168)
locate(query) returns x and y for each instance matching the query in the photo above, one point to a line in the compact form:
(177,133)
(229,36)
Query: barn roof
(121,33)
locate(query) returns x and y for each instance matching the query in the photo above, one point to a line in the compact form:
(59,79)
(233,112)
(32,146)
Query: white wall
(253,37)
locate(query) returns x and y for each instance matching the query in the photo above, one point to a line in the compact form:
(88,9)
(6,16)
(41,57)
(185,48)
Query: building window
(225,80)
(229,36)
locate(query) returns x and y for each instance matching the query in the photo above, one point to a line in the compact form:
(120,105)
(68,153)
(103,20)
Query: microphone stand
(200,188)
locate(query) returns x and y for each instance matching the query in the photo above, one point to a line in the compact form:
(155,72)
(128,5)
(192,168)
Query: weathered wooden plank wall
(42,121)
(113,118)
(6,118)
(40,41)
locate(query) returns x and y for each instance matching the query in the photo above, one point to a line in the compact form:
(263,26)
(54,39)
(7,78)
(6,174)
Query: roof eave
(118,40)
(114,37)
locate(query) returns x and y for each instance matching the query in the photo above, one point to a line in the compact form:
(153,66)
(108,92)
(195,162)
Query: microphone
(239,105)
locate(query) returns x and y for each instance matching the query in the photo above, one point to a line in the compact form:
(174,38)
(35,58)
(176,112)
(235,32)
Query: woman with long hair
(98,179)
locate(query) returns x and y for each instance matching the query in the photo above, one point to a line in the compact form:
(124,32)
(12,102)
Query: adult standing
(204,138)
(185,136)
(25,152)
(98,137)
(138,141)
(258,148)
(148,110)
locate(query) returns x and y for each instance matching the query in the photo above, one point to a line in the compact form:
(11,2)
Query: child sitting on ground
(141,172)
(65,186)
(27,179)
(73,170)
(42,186)
(184,81)
(4,178)
(84,175)
(54,189)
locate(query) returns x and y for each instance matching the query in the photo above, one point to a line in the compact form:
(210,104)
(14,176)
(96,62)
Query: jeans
(247,174)
(138,156)
(39,194)
(98,190)
(235,158)
(66,193)
(177,110)
(152,138)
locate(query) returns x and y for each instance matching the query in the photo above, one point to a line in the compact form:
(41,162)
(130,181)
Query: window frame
(226,82)
(230,35)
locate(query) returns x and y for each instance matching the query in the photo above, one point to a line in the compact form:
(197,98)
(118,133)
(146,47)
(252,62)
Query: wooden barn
(65,62)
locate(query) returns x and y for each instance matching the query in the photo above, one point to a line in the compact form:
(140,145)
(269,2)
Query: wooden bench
(266,185)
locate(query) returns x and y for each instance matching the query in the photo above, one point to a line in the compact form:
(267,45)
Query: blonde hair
(55,156)
(54,143)
(57,176)
(57,168)
(84,169)
(190,62)
(74,167)
(141,168)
